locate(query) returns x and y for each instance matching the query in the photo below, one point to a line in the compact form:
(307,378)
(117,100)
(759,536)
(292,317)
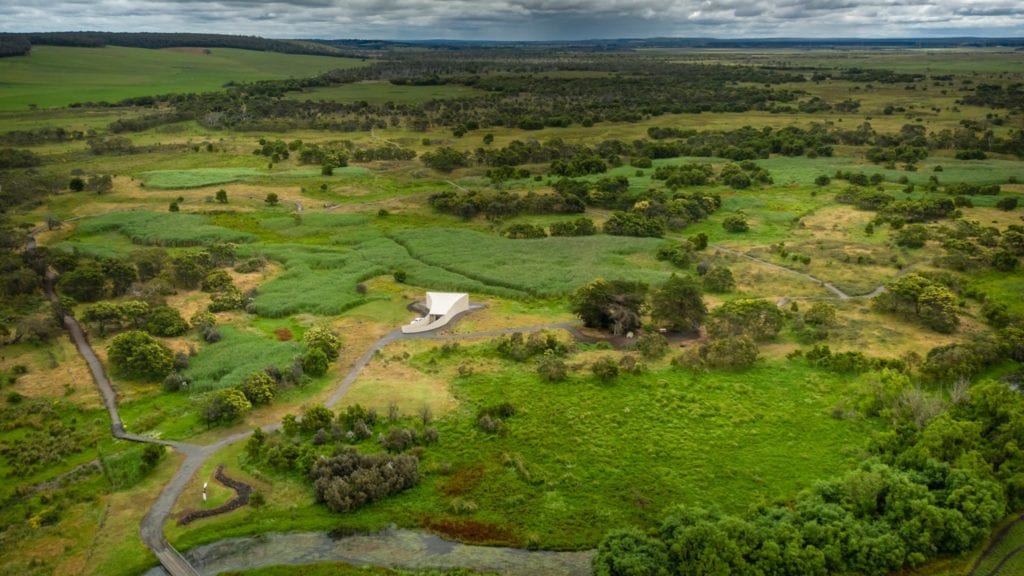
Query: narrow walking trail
(151,528)
(826,285)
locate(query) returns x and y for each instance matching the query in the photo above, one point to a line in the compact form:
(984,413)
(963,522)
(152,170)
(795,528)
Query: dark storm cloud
(525,19)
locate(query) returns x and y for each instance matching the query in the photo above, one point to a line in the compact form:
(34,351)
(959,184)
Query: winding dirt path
(151,528)
(827,285)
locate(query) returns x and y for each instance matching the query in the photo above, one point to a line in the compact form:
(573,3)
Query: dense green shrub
(165,321)
(605,369)
(734,353)
(752,317)
(719,279)
(735,223)
(138,355)
(349,479)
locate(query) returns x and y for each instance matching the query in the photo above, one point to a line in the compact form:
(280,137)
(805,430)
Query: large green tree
(138,355)
(678,304)
(610,304)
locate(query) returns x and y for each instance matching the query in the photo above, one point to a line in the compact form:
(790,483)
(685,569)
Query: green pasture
(580,457)
(57,76)
(381,92)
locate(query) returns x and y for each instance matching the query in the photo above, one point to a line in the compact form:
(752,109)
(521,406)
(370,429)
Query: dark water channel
(392,548)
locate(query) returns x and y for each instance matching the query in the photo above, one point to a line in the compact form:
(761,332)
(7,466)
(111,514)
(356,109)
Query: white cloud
(526,19)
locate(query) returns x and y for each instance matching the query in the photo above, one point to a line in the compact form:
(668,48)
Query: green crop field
(58,76)
(162,228)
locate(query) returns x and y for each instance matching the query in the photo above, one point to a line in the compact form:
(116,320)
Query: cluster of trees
(682,254)
(851,361)
(738,176)
(930,302)
(17,158)
(110,317)
(503,204)
(349,479)
(936,486)
(386,152)
(519,348)
(157,40)
(968,245)
(319,446)
(619,305)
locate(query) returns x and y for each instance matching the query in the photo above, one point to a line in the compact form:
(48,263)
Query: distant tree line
(11,43)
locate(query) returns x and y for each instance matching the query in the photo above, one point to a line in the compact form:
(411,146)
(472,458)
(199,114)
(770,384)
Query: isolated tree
(76,184)
(678,305)
(138,355)
(271,199)
(735,223)
(222,196)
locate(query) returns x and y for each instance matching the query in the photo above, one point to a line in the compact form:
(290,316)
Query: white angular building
(443,307)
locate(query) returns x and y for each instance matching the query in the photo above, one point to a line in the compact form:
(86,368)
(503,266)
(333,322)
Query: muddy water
(391,548)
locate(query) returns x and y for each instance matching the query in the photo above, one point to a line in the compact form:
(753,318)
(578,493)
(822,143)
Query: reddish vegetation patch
(463,481)
(472,531)
(283,334)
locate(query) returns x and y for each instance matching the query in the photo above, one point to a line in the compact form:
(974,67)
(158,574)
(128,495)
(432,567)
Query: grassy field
(637,446)
(58,76)
(579,457)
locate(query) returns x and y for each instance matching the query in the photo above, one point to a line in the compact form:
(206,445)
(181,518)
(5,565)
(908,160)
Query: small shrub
(605,369)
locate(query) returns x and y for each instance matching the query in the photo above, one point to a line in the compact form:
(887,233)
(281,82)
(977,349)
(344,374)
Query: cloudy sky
(526,19)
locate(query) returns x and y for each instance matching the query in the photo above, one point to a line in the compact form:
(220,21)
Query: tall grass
(322,279)
(162,228)
(540,267)
(238,354)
